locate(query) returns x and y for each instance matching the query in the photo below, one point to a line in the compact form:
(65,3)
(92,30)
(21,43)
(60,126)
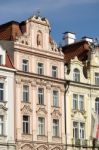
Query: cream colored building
(82,93)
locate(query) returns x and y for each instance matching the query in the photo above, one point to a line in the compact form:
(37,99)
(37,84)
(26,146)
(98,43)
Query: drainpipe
(66,85)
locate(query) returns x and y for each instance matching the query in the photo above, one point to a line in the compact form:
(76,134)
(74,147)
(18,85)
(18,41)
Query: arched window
(39,39)
(76,75)
(97,105)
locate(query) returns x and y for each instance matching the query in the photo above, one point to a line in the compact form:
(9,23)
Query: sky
(78,16)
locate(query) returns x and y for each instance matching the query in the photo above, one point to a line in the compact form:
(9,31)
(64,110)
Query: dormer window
(39,38)
(76,75)
(0,59)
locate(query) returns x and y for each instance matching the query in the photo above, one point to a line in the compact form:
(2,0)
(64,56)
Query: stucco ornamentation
(26,109)
(56,114)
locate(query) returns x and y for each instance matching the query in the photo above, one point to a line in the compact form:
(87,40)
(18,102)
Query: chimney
(69,38)
(88,39)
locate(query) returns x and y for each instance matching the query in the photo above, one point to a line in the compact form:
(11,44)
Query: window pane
(97,105)
(40,69)
(75,101)
(41,96)
(55,127)
(55,99)
(54,72)
(1,91)
(76,75)
(81,102)
(25,65)
(1,125)
(97,78)
(41,126)
(26,124)
(25,93)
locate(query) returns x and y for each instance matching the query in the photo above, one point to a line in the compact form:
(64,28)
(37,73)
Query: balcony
(80,142)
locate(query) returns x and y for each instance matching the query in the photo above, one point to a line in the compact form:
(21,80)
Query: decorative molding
(56,114)
(26,109)
(41,110)
(3,107)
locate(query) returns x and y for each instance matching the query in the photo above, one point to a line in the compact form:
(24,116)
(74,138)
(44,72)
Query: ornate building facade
(82,92)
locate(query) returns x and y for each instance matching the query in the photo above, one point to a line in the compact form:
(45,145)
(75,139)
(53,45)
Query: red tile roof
(79,49)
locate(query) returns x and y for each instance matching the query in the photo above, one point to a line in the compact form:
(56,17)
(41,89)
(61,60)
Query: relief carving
(41,111)
(2,107)
(26,109)
(43,147)
(27,147)
(56,148)
(56,114)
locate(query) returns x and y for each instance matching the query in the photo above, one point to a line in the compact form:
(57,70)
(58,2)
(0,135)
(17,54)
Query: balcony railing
(80,142)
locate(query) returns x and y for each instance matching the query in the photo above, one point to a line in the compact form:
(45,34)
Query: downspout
(66,85)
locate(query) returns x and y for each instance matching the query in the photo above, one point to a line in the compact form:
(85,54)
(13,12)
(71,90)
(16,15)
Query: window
(1,125)
(41,126)
(40,96)
(26,124)
(54,71)
(25,93)
(55,99)
(25,65)
(55,127)
(81,102)
(76,75)
(78,102)
(97,78)
(1,59)
(75,101)
(78,130)
(40,68)
(1,91)
(97,106)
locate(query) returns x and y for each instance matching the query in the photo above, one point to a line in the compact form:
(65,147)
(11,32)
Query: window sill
(26,134)
(55,107)
(26,102)
(41,105)
(3,101)
(56,137)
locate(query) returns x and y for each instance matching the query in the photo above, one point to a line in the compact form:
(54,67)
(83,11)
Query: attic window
(1,59)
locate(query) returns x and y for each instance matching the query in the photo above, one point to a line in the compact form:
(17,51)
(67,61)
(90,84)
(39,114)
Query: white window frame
(78,102)
(54,71)
(41,96)
(25,93)
(78,130)
(1,125)
(40,68)
(26,125)
(55,98)
(25,65)
(2,92)
(96,78)
(56,127)
(41,126)
(76,75)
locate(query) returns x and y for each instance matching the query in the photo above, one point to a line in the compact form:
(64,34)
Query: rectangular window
(75,101)
(1,125)
(81,102)
(54,71)
(97,78)
(78,102)
(41,126)
(25,65)
(1,91)
(25,93)
(1,59)
(55,99)
(78,130)
(26,124)
(55,127)
(40,96)
(40,68)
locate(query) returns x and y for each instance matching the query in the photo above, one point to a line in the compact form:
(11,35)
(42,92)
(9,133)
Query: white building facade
(7,136)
